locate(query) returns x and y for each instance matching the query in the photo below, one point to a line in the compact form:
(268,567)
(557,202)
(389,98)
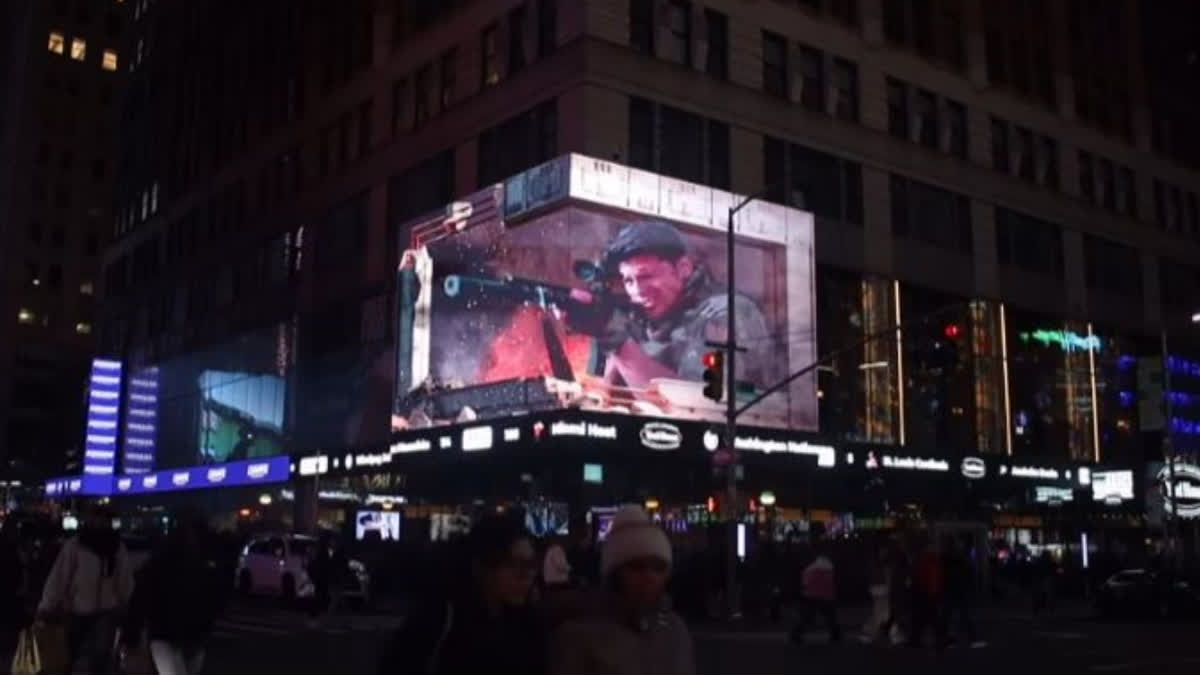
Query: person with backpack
(481,619)
(87,591)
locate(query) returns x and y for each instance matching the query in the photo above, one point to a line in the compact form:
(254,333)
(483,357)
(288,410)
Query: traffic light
(952,331)
(714,375)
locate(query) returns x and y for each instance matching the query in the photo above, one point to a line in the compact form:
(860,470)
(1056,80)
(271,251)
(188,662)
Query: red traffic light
(952,331)
(711,504)
(712,360)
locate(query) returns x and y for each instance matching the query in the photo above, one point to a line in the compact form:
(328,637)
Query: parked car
(1140,593)
(278,565)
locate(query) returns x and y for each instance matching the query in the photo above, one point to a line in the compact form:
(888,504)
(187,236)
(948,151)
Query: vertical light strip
(899,357)
(1095,403)
(1004,372)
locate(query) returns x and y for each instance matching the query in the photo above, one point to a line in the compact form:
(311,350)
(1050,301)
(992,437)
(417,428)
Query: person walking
(176,601)
(927,590)
(878,623)
(12,602)
(960,578)
(88,588)
(818,597)
(632,629)
(556,570)
(480,619)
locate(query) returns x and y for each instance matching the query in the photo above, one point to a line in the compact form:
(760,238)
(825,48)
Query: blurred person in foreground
(819,596)
(12,575)
(633,630)
(87,591)
(481,620)
(176,600)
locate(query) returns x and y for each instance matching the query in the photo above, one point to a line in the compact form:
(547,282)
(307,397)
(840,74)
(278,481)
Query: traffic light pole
(731,560)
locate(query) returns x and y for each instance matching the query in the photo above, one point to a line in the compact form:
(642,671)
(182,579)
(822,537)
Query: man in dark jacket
(176,601)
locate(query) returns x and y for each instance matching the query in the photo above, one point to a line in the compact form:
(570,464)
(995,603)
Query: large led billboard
(241,415)
(586,284)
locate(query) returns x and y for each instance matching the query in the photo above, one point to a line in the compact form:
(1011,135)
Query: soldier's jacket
(679,341)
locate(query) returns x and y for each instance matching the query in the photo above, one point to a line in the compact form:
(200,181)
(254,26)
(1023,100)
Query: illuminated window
(24,316)
(110,60)
(83,328)
(57,42)
(87,288)
(78,49)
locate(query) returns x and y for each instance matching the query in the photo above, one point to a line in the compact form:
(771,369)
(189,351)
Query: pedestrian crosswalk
(240,622)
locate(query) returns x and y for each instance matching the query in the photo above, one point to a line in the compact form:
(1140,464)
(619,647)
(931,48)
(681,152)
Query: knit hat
(632,536)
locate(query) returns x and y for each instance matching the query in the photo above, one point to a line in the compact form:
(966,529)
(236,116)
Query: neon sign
(1066,340)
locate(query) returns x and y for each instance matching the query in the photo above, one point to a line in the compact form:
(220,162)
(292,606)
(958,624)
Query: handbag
(27,660)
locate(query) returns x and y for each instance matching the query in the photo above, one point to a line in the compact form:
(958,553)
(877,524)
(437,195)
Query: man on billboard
(675,309)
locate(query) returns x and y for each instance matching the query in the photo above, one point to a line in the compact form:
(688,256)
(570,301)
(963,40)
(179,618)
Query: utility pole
(731,490)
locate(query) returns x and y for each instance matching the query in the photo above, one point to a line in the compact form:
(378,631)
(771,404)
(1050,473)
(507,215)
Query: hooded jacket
(91,574)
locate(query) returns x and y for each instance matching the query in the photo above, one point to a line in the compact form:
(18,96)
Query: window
(109,61)
(518,143)
(1111,267)
(678,143)
(54,277)
(829,186)
(449,75)
(1029,244)
(491,59)
(57,42)
(78,49)
(1107,179)
(845,90)
(366,112)
(716,62)
(33,274)
(420,189)
(1023,149)
(35,232)
(547,27)
(930,215)
(421,95)
(774,64)
(934,28)
(1179,285)
(845,11)
(1087,177)
(1126,201)
(678,48)
(641,26)
(926,118)
(895,20)
(812,78)
(399,104)
(87,288)
(517,57)
(897,103)
(83,328)
(1047,163)
(956,129)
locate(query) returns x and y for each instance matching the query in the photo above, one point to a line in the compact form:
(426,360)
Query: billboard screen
(241,415)
(602,289)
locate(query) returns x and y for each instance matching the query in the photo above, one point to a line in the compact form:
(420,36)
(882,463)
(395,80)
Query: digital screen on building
(103,413)
(384,525)
(241,415)
(141,422)
(516,299)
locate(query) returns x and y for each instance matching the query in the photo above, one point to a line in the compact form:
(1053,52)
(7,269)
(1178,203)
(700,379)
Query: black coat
(459,638)
(176,599)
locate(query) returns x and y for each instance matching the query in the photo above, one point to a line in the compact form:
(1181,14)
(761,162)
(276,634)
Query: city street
(258,639)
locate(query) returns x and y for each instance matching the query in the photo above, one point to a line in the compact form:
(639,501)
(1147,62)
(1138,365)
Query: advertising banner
(606,302)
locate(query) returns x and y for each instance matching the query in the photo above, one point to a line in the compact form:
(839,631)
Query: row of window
(57,44)
(52,278)
(817,81)
(920,116)
(33,318)
(677,143)
(1107,184)
(1018,151)
(828,186)
(934,28)
(681,35)
(58,238)
(1176,209)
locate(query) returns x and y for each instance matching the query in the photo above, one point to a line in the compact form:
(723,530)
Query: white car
(277,565)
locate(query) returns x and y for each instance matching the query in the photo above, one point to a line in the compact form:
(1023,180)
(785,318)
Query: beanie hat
(632,536)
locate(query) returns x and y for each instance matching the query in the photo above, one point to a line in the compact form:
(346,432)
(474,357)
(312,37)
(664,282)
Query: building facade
(62,77)
(983,172)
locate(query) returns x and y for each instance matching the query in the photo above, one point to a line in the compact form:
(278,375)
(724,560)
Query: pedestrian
(960,578)
(87,590)
(632,629)
(878,623)
(480,618)
(1043,571)
(12,603)
(556,570)
(818,596)
(320,573)
(927,590)
(176,600)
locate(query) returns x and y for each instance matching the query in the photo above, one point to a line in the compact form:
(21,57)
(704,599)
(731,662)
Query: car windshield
(301,547)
